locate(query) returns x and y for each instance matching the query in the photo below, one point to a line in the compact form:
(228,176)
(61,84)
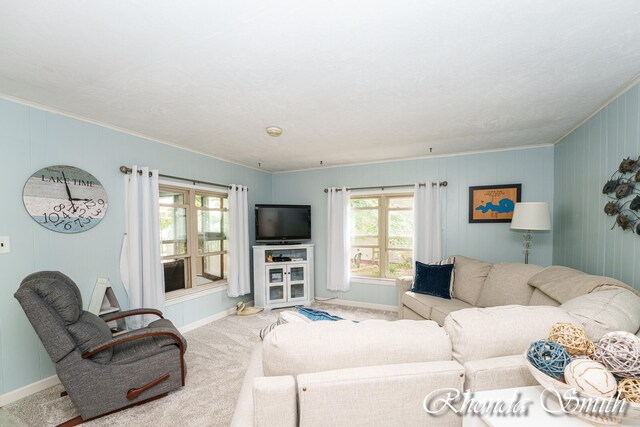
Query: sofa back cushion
(296,348)
(540,298)
(507,284)
(606,310)
(564,283)
(470,275)
(482,333)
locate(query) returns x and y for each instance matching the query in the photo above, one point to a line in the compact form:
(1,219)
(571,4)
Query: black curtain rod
(127,170)
(384,187)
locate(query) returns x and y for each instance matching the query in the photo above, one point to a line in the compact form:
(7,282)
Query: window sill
(181,296)
(373,281)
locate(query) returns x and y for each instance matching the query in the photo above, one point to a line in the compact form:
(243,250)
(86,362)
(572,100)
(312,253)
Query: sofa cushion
(442,310)
(507,284)
(409,314)
(433,280)
(420,303)
(296,348)
(481,333)
(564,283)
(446,261)
(540,298)
(605,310)
(470,276)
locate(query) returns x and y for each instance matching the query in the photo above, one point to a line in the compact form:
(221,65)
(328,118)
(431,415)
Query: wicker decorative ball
(590,377)
(629,389)
(573,338)
(619,352)
(549,357)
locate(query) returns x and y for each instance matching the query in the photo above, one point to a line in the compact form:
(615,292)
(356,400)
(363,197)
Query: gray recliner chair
(101,373)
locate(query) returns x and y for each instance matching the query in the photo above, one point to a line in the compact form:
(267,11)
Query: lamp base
(527,244)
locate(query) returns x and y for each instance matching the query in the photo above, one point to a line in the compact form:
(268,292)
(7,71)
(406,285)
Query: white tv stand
(284,283)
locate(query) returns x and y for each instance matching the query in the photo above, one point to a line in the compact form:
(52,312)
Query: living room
(385,135)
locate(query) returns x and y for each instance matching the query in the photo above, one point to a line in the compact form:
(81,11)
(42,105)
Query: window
(193,233)
(381,235)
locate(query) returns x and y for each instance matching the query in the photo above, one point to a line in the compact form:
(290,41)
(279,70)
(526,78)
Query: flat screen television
(283,223)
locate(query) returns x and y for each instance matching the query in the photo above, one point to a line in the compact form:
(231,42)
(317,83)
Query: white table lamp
(530,216)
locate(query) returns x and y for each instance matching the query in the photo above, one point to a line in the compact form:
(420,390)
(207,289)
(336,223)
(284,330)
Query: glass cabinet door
(297,278)
(276,284)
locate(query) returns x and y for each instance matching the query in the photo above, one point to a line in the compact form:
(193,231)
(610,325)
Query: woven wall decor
(620,353)
(625,198)
(573,338)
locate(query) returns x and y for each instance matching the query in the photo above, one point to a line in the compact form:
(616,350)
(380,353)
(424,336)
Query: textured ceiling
(348,81)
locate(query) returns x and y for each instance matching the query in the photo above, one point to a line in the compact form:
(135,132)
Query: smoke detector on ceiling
(274,131)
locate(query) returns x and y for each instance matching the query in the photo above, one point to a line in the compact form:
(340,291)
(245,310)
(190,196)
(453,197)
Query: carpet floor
(217,358)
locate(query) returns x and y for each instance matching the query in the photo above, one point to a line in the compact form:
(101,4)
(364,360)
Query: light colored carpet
(217,359)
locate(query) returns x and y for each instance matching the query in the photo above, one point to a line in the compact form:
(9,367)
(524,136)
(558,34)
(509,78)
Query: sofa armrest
(403,284)
(377,395)
(498,372)
(274,402)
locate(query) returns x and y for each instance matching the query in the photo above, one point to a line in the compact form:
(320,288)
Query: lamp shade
(531,216)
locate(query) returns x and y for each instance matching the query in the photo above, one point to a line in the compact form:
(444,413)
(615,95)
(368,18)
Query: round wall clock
(65,199)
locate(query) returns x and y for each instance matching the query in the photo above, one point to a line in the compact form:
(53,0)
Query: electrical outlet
(5,244)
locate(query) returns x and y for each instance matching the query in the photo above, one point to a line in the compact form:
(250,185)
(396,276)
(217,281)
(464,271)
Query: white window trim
(372,281)
(182,295)
(182,184)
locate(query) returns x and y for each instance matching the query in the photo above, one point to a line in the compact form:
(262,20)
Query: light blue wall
(31,139)
(493,242)
(584,161)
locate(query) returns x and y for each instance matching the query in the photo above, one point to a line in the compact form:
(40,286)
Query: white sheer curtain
(427,234)
(338,240)
(140,259)
(239,280)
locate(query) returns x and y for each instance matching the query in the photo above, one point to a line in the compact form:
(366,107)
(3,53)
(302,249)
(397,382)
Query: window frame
(383,238)
(192,255)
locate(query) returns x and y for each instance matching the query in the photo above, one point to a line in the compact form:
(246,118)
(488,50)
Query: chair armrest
(137,335)
(128,313)
(403,284)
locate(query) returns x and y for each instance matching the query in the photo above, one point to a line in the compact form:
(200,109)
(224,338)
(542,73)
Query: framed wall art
(493,203)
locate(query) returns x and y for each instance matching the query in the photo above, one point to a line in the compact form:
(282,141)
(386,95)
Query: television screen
(278,223)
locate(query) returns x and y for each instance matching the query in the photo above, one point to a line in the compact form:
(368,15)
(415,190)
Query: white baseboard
(360,304)
(28,390)
(199,323)
(33,388)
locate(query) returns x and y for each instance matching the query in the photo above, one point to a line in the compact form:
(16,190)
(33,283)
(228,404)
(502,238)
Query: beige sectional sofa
(600,304)
(377,373)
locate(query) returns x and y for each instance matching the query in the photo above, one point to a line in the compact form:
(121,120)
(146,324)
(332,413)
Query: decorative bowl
(582,410)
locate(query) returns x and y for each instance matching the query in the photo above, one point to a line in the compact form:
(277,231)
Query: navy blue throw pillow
(433,280)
